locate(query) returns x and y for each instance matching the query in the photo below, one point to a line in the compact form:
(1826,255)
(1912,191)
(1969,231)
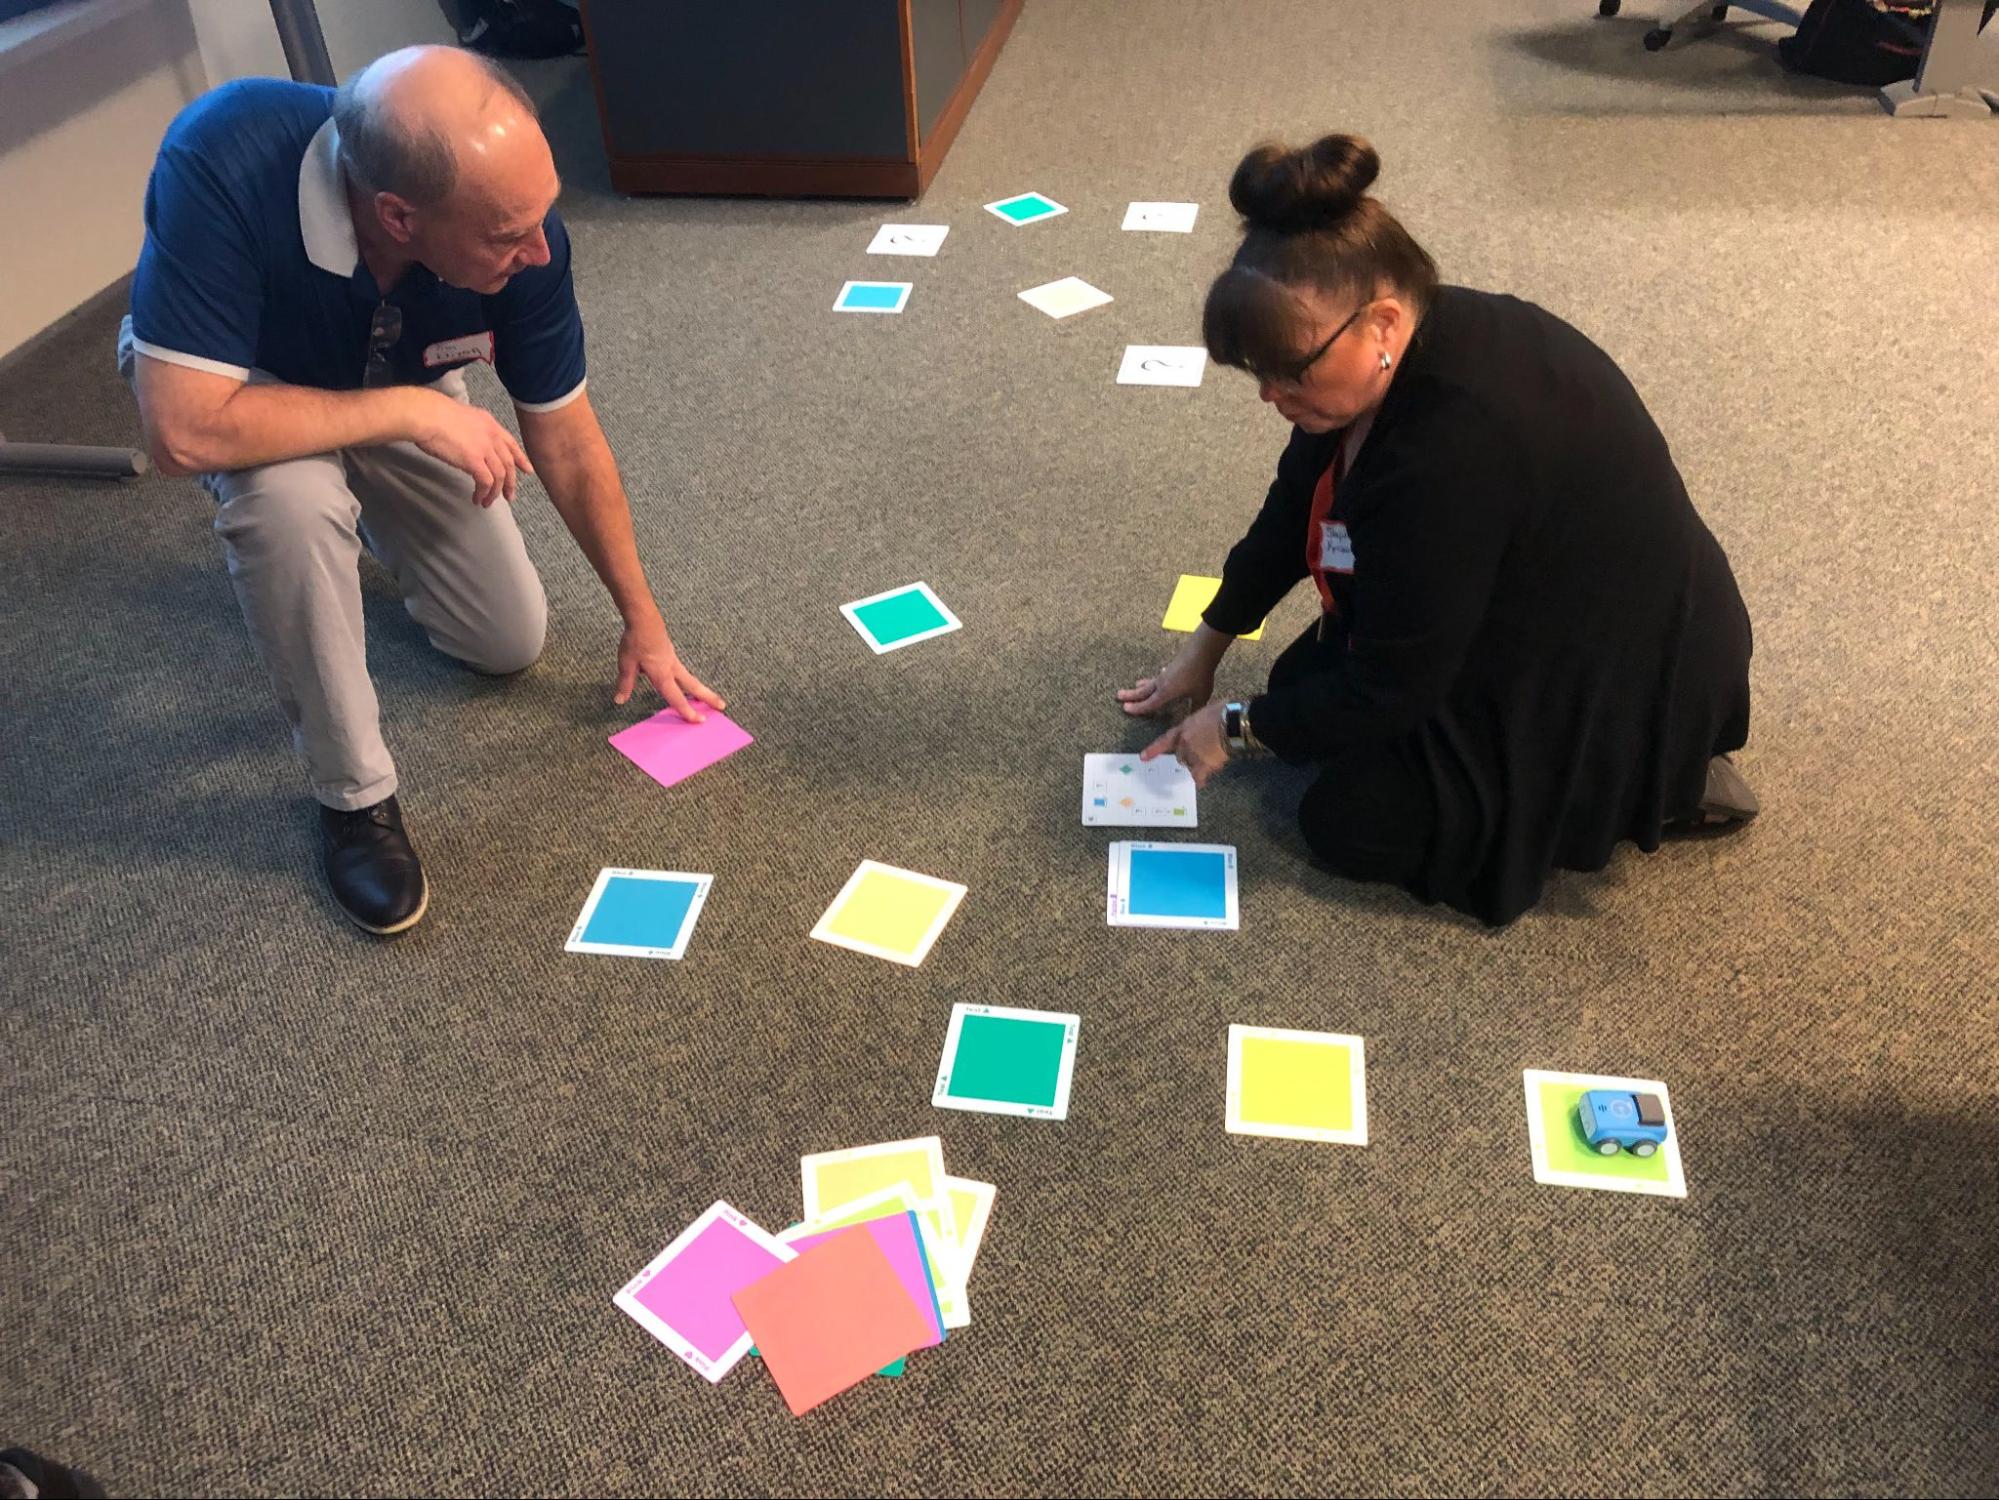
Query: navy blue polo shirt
(250,262)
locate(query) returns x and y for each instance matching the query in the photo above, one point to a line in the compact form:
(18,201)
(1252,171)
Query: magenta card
(683,1298)
(668,748)
(903,1245)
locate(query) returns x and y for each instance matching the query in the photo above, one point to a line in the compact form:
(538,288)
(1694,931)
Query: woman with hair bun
(1530,648)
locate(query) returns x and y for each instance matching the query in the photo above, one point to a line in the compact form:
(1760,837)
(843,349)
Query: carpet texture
(287,1211)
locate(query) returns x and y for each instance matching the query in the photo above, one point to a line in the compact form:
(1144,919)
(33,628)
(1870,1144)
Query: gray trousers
(292,533)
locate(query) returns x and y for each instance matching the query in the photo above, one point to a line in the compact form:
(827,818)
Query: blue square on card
(873,296)
(641,913)
(1179,883)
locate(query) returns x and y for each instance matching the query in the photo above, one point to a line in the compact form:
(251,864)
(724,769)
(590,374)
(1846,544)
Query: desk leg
(1958,78)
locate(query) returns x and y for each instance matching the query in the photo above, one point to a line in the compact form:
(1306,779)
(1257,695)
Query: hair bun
(1304,188)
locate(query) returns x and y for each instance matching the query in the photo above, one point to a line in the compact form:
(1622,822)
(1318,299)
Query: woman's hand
(1198,743)
(1188,678)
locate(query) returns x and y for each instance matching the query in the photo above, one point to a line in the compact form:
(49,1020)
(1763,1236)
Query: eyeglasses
(385,329)
(1295,376)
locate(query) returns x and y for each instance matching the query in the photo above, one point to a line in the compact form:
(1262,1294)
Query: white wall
(239,41)
(79,125)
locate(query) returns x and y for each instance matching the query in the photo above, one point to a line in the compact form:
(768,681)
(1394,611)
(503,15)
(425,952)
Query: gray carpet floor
(287,1211)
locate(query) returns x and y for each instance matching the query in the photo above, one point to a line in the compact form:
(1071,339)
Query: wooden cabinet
(793,98)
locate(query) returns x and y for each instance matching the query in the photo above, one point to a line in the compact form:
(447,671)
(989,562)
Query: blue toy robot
(1614,1120)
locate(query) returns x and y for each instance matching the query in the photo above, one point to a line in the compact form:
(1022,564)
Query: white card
(1122,791)
(1163,364)
(1065,298)
(1172,885)
(630,1297)
(1173,218)
(644,917)
(908,239)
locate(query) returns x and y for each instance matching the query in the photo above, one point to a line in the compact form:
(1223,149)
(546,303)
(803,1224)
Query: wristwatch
(1235,725)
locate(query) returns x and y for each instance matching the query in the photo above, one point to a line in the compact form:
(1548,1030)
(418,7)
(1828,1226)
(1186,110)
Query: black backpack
(519,28)
(1872,42)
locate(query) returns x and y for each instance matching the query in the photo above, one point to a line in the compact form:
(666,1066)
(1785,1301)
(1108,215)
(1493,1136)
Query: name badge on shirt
(457,351)
(1335,547)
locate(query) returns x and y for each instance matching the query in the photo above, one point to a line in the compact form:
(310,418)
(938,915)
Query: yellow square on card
(887,911)
(1191,595)
(842,1182)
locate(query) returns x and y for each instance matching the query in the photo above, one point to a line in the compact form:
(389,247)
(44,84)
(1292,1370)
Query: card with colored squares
(1617,1160)
(1191,596)
(1163,364)
(1162,218)
(874,296)
(1026,208)
(908,239)
(1297,1085)
(1122,791)
(640,913)
(889,913)
(683,1298)
(900,617)
(1002,1061)
(1172,885)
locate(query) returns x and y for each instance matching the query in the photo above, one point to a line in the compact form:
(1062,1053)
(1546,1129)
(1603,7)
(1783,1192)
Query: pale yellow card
(889,913)
(1191,595)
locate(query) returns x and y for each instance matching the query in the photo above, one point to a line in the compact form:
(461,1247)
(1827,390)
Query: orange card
(831,1318)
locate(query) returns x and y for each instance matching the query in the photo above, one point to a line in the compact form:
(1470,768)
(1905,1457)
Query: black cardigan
(1533,599)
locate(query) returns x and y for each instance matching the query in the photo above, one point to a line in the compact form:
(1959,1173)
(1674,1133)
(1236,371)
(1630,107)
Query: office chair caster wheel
(1608,7)
(1656,38)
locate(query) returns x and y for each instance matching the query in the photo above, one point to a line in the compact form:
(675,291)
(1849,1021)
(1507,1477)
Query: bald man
(318,271)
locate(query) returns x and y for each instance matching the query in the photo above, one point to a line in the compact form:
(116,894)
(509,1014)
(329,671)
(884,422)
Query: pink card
(668,748)
(683,1298)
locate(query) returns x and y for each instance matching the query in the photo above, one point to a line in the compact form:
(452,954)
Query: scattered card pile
(876,1269)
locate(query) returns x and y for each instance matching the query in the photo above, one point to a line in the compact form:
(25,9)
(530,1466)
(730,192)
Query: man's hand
(472,439)
(647,649)
(1197,743)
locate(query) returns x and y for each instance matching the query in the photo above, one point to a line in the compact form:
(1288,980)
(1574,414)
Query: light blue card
(1172,885)
(640,913)
(873,296)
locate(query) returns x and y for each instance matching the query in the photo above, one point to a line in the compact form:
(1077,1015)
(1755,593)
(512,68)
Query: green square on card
(900,616)
(1568,1151)
(1008,1060)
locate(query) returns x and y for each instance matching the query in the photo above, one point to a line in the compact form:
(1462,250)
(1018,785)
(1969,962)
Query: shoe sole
(422,906)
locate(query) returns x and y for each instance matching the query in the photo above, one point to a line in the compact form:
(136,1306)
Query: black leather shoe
(375,874)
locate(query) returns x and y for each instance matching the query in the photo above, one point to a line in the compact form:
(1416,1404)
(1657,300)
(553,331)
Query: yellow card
(831,1178)
(889,913)
(1191,595)
(1298,1085)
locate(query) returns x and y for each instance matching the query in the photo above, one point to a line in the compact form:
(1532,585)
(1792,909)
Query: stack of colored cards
(876,1269)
